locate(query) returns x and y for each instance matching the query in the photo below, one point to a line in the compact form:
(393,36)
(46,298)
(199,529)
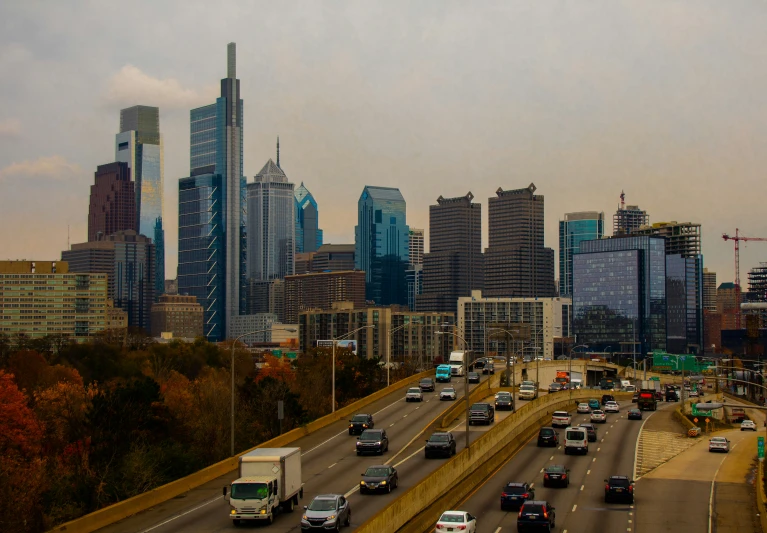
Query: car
(591,431)
(373,441)
(326,511)
(536,515)
(426,385)
(360,422)
(456,521)
(583,408)
(440,443)
(635,414)
(527,392)
(612,407)
(556,476)
(516,494)
(576,440)
(593,404)
(480,363)
(598,415)
(481,413)
(693,394)
(489,367)
(504,401)
(561,419)
(635,397)
(379,478)
(748,425)
(548,437)
(607,398)
(448,393)
(619,488)
(414,394)
(474,377)
(555,387)
(718,444)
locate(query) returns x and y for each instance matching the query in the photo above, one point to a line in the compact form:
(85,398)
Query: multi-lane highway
(330,465)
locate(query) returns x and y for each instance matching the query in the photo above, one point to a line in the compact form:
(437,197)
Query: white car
(693,394)
(527,392)
(748,425)
(612,407)
(718,444)
(456,521)
(584,408)
(448,393)
(414,394)
(597,415)
(560,419)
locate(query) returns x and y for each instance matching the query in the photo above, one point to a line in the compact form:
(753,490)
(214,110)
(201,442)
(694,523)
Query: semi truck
(457,361)
(269,482)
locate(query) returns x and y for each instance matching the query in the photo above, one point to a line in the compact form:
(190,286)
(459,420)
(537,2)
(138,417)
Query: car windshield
(635,411)
(248,491)
(532,508)
(479,407)
(598,412)
(426,381)
(526,387)
(378,471)
(414,390)
(473,374)
(504,396)
(514,489)
(575,435)
(360,418)
(322,504)
(370,435)
(718,440)
(619,482)
(439,438)
(448,390)
(452,518)
(555,468)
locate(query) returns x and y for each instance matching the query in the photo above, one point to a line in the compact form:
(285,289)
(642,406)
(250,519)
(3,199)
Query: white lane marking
(331,466)
(541,470)
(588,472)
(532,485)
(217,498)
(574,507)
(602,440)
(551,458)
(417,408)
(636,446)
(409,456)
(390,425)
(498,530)
(606,432)
(629,521)
(582,487)
(599,449)
(559,448)
(594,460)
(711,495)
(355,489)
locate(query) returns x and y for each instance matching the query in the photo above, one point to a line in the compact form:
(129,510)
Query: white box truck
(457,362)
(269,481)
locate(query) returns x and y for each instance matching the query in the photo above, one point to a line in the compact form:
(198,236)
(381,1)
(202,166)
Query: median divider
(142,502)
(418,508)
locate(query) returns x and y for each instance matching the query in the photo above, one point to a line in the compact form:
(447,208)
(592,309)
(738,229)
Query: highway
(330,465)
(580,508)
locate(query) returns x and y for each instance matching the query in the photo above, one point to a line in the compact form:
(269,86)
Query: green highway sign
(760,447)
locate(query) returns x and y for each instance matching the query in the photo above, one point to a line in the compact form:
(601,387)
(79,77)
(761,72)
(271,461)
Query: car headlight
(362,483)
(364,425)
(383,482)
(331,517)
(351,426)
(304,517)
(358,443)
(233,511)
(378,443)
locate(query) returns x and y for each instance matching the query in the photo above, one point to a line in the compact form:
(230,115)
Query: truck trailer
(457,361)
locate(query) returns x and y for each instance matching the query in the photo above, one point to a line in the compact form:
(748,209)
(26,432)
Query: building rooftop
(271,172)
(383,193)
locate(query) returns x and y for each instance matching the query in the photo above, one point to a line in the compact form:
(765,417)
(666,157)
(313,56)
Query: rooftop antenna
(278,152)
(231,60)
(623,200)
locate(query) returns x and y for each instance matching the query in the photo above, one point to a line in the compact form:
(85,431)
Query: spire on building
(231,60)
(278,152)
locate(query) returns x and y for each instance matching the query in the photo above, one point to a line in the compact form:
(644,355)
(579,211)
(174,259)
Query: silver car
(414,394)
(718,444)
(448,393)
(326,512)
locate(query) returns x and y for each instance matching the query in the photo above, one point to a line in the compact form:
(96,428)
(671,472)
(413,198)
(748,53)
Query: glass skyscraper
(575,228)
(212,209)
(271,225)
(308,232)
(382,244)
(139,144)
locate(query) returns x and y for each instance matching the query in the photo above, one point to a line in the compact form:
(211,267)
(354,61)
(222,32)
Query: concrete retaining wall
(483,390)
(419,507)
(118,511)
(761,497)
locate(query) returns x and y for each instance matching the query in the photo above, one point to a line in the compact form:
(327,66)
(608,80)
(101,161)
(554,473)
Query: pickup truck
(481,413)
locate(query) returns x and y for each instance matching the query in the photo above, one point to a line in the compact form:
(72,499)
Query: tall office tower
(414,272)
(319,290)
(159,250)
(382,244)
(628,218)
(271,225)
(308,232)
(517,264)
(266,297)
(212,214)
(333,257)
(684,241)
(709,291)
(576,227)
(727,306)
(453,266)
(113,202)
(619,294)
(415,247)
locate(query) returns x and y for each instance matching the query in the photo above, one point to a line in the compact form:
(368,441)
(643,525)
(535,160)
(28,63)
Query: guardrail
(419,507)
(142,502)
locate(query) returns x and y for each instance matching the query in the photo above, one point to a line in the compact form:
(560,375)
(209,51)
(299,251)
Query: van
(576,440)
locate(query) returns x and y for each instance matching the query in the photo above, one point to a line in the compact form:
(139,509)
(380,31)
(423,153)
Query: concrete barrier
(118,511)
(419,507)
(761,497)
(483,390)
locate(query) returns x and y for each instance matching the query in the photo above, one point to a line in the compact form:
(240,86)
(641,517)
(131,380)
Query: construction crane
(737,238)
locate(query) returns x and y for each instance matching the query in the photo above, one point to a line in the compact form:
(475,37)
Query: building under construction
(757,283)
(682,238)
(628,218)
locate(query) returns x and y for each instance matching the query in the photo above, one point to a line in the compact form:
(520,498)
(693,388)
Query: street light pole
(234,343)
(333,363)
(388,350)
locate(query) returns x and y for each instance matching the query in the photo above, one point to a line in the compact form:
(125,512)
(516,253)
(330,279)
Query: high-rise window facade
(575,228)
(382,244)
(308,232)
(112,201)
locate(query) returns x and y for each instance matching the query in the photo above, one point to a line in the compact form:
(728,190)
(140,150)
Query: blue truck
(443,374)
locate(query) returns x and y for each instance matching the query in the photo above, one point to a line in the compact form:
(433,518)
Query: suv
(619,488)
(607,398)
(536,515)
(426,385)
(514,495)
(527,392)
(359,423)
(489,367)
(479,363)
(474,377)
(548,437)
(414,394)
(481,413)
(327,511)
(441,443)
(373,441)
(561,419)
(504,400)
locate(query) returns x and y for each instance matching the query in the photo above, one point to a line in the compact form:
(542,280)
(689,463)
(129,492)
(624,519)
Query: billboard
(350,344)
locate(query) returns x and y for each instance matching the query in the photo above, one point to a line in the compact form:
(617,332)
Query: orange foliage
(278,369)
(20,432)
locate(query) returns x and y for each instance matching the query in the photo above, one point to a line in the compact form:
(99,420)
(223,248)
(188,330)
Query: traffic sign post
(760,448)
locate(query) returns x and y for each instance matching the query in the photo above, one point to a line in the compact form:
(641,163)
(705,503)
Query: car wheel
(288,506)
(348,520)
(396,482)
(388,489)
(358,454)
(270,520)
(235,523)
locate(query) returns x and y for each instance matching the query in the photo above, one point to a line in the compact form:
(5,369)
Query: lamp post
(234,343)
(465,379)
(508,366)
(333,362)
(570,367)
(388,350)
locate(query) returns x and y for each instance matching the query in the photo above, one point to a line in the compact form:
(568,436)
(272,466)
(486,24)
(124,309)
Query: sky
(665,100)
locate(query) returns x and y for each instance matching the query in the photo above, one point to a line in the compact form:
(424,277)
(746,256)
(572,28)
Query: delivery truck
(269,482)
(457,361)
(443,374)
(565,377)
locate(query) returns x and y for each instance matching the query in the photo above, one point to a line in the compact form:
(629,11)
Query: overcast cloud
(663,99)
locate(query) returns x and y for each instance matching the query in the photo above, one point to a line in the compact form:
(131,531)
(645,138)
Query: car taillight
(607,487)
(545,476)
(461,528)
(503,494)
(631,488)
(545,513)
(526,495)
(564,476)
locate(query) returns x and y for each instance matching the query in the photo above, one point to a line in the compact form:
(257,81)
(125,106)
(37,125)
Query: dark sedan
(474,377)
(619,488)
(556,476)
(635,414)
(548,437)
(504,401)
(360,422)
(372,441)
(516,494)
(591,431)
(536,516)
(427,385)
(555,387)
(440,444)
(379,478)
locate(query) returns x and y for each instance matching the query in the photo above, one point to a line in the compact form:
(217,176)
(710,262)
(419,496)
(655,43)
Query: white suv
(414,394)
(561,419)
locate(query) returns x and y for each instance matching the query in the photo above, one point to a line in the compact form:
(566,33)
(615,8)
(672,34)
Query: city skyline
(648,137)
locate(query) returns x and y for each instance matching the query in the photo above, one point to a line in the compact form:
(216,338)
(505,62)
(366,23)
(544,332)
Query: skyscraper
(453,266)
(159,250)
(139,144)
(382,244)
(414,272)
(212,211)
(308,232)
(709,291)
(112,202)
(628,218)
(517,264)
(271,225)
(415,248)
(576,227)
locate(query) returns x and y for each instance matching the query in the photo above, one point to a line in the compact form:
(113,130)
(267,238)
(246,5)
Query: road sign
(707,421)
(760,447)
(695,420)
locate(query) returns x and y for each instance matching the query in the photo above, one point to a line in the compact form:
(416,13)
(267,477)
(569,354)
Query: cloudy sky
(664,99)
